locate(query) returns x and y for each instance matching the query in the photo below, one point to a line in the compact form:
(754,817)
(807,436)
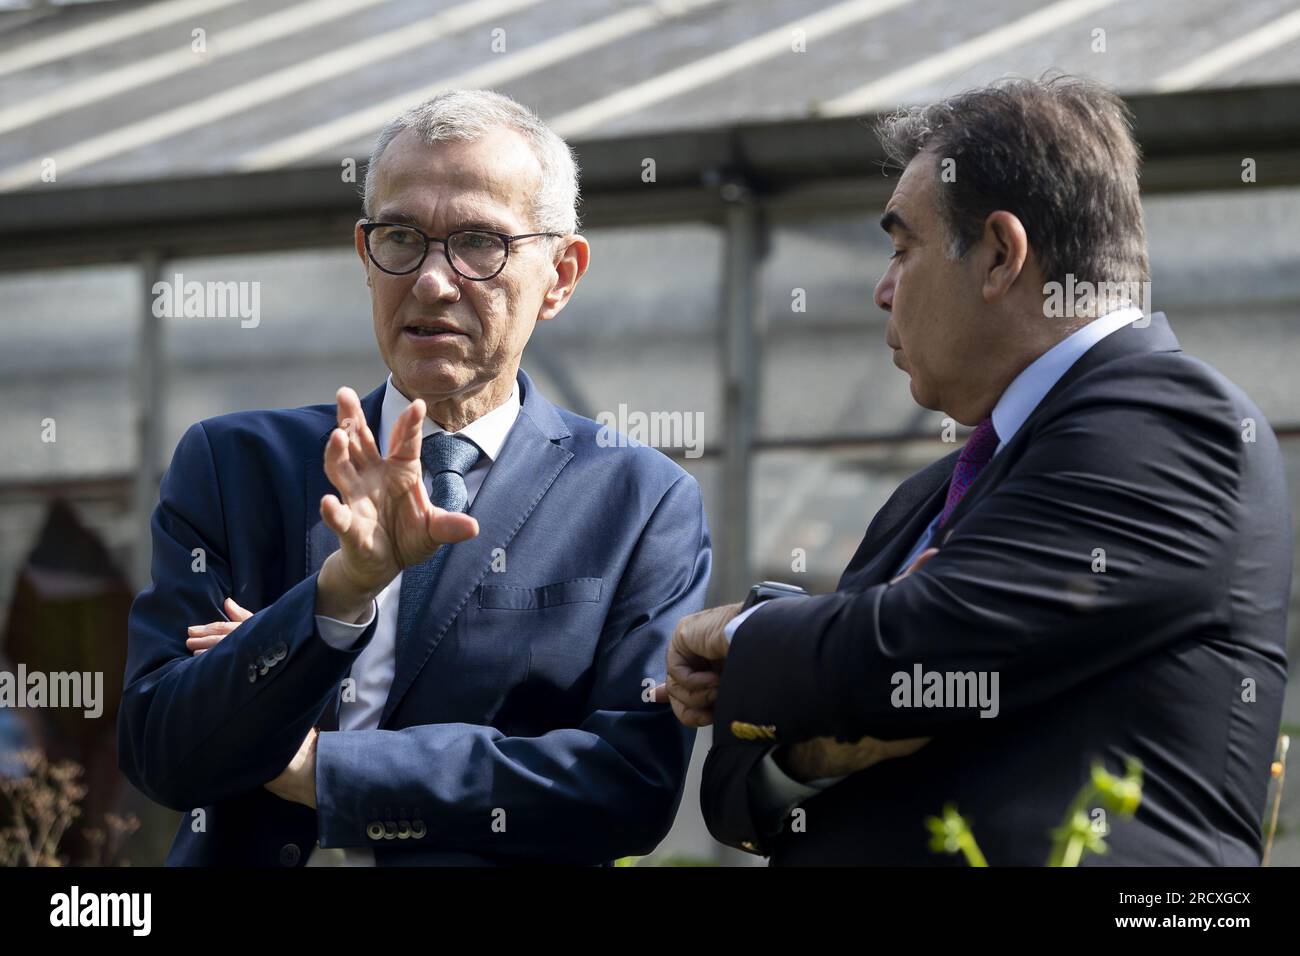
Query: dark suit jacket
(524,693)
(1137,450)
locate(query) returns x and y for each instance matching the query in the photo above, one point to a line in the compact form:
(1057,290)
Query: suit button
(375,830)
(290,854)
(418,829)
(281,651)
(252,673)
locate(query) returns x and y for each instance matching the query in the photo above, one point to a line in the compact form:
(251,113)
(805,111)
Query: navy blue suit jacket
(517,727)
(1176,654)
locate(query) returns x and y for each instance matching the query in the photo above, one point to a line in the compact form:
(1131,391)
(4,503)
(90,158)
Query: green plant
(1078,833)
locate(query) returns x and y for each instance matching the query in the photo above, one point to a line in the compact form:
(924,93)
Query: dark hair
(1058,153)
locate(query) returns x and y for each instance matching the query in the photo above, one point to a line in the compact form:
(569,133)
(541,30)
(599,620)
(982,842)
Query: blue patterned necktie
(446,458)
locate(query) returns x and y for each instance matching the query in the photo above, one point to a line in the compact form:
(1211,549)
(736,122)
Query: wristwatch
(766,590)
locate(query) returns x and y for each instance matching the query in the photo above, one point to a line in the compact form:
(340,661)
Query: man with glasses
(458,593)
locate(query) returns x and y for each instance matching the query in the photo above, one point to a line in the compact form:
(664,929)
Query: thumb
(236,612)
(450,527)
(921,561)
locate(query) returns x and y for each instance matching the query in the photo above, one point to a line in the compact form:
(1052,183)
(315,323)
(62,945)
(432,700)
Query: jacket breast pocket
(508,598)
(558,626)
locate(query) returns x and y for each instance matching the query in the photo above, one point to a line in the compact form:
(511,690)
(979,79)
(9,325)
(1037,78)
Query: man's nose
(884,294)
(437,279)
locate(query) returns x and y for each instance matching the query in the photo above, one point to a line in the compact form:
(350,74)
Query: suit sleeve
(606,788)
(196,730)
(1018,590)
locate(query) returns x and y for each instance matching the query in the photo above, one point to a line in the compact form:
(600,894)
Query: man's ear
(1005,237)
(569,267)
(359,240)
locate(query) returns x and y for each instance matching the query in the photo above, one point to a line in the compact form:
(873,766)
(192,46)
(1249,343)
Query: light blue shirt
(775,790)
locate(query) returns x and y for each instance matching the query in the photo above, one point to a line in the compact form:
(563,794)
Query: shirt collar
(1029,387)
(488,431)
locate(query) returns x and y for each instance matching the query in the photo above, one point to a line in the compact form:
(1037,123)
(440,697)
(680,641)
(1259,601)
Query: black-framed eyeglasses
(475,254)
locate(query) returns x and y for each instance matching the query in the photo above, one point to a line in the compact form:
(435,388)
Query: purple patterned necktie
(975,454)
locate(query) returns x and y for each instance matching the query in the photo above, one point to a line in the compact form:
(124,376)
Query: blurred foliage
(39,805)
(1078,834)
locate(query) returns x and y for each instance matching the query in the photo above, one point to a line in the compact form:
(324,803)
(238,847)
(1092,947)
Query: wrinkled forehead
(491,180)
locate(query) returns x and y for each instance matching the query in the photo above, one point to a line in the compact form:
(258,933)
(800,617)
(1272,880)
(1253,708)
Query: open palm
(385,521)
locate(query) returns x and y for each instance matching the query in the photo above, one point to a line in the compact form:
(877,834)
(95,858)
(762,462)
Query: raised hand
(385,521)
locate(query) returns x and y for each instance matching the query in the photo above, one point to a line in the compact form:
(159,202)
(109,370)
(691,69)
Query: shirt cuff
(730,630)
(775,792)
(341,635)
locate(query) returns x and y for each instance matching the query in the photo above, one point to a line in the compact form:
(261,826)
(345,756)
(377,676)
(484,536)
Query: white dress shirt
(373,668)
(776,792)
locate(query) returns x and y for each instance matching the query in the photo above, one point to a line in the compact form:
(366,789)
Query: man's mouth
(431,330)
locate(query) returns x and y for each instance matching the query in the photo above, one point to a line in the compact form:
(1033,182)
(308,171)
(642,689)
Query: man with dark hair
(1100,573)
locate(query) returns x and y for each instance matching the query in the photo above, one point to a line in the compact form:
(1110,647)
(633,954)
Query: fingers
(349,406)
(691,717)
(902,748)
(362,448)
(688,674)
(691,689)
(408,433)
(921,560)
(691,636)
(701,702)
(235,612)
(339,466)
(336,515)
(204,637)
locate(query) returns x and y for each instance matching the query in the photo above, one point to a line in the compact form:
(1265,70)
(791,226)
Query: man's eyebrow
(487,224)
(892,220)
(401,216)
(396,215)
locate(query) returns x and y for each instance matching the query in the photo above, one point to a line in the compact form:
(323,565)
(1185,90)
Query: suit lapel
(898,525)
(527,466)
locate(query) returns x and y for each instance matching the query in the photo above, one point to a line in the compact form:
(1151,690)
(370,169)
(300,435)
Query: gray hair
(466,115)
(1057,152)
